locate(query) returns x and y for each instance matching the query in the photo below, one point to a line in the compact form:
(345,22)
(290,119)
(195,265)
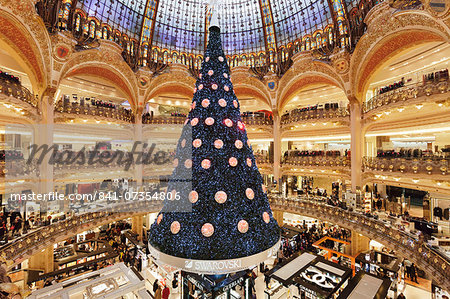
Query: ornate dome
(247,26)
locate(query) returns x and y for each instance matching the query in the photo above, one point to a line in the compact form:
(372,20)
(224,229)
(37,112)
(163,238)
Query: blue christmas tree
(230,216)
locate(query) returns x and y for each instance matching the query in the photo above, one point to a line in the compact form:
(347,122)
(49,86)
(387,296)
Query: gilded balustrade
(17,91)
(29,244)
(406,93)
(164,120)
(318,161)
(297,116)
(95,111)
(423,165)
(434,263)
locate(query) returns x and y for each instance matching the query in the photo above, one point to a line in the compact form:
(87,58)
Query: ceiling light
(415,181)
(419,106)
(400,109)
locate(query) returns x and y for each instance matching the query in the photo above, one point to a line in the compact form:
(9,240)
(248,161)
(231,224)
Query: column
(43,136)
(359,243)
(278,215)
(137,223)
(138,168)
(42,260)
(277,148)
(356,144)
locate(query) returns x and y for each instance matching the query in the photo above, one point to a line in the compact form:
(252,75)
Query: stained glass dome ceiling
(247,26)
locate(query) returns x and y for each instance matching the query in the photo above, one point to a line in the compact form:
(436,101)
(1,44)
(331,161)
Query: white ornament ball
(266,217)
(205,103)
(221,59)
(228,122)
(188,163)
(206,164)
(218,144)
(193,196)
(243,226)
(207,230)
(175,227)
(233,161)
(222,103)
(220,197)
(194,121)
(210,72)
(200,87)
(226,88)
(238,144)
(197,143)
(209,121)
(195,90)
(225,75)
(249,162)
(249,193)
(235,103)
(207,59)
(200,75)
(214,86)
(160,217)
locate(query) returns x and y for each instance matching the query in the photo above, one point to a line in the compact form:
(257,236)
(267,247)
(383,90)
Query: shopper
(267,280)
(401,296)
(155,286)
(166,293)
(158,293)
(414,273)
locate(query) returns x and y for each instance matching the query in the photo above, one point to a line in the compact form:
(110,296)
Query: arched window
(183,59)
(243,60)
(155,54)
(92,29)
(308,44)
(319,40)
(252,60)
(144,54)
(166,57)
(77,26)
(63,15)
(105,32)
(330,36)
(175,57)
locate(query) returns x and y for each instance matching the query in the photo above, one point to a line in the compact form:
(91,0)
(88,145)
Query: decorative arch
(178,83)
(26,39)
(104,63)
(389,33)
(303,73)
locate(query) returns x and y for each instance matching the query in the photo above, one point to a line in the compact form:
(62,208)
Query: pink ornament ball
(249,162)
(233,161)
(207,230)
(194,122)
(225,75)
(209,121)
(266,217)
(214,86)
(175,227)
(218,144)
(188,163)
(228,122)
(200,87)
(221,59)
(175,162)
(249,193)
(235,103)
(238,144)
(183,143)
(193,196)
(207,59)
(206,164)
(222,103)
(205,103)
(226,88)
(243,226)
(220,197)
(160,217)
(210,72)
(197,143)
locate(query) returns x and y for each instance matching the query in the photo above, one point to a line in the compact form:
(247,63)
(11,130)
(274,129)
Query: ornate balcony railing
(17,91)
(297,115)
(120,114)
(423,165)
(263,159)
(434,263)
(24,247)
(406,93)
(257,120)
(318,161)
(164,120)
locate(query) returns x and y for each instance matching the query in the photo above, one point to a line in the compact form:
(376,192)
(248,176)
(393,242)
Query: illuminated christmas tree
(231,217)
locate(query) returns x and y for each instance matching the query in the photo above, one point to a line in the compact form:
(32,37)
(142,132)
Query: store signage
(196,283)
(212,266)
(233,284)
